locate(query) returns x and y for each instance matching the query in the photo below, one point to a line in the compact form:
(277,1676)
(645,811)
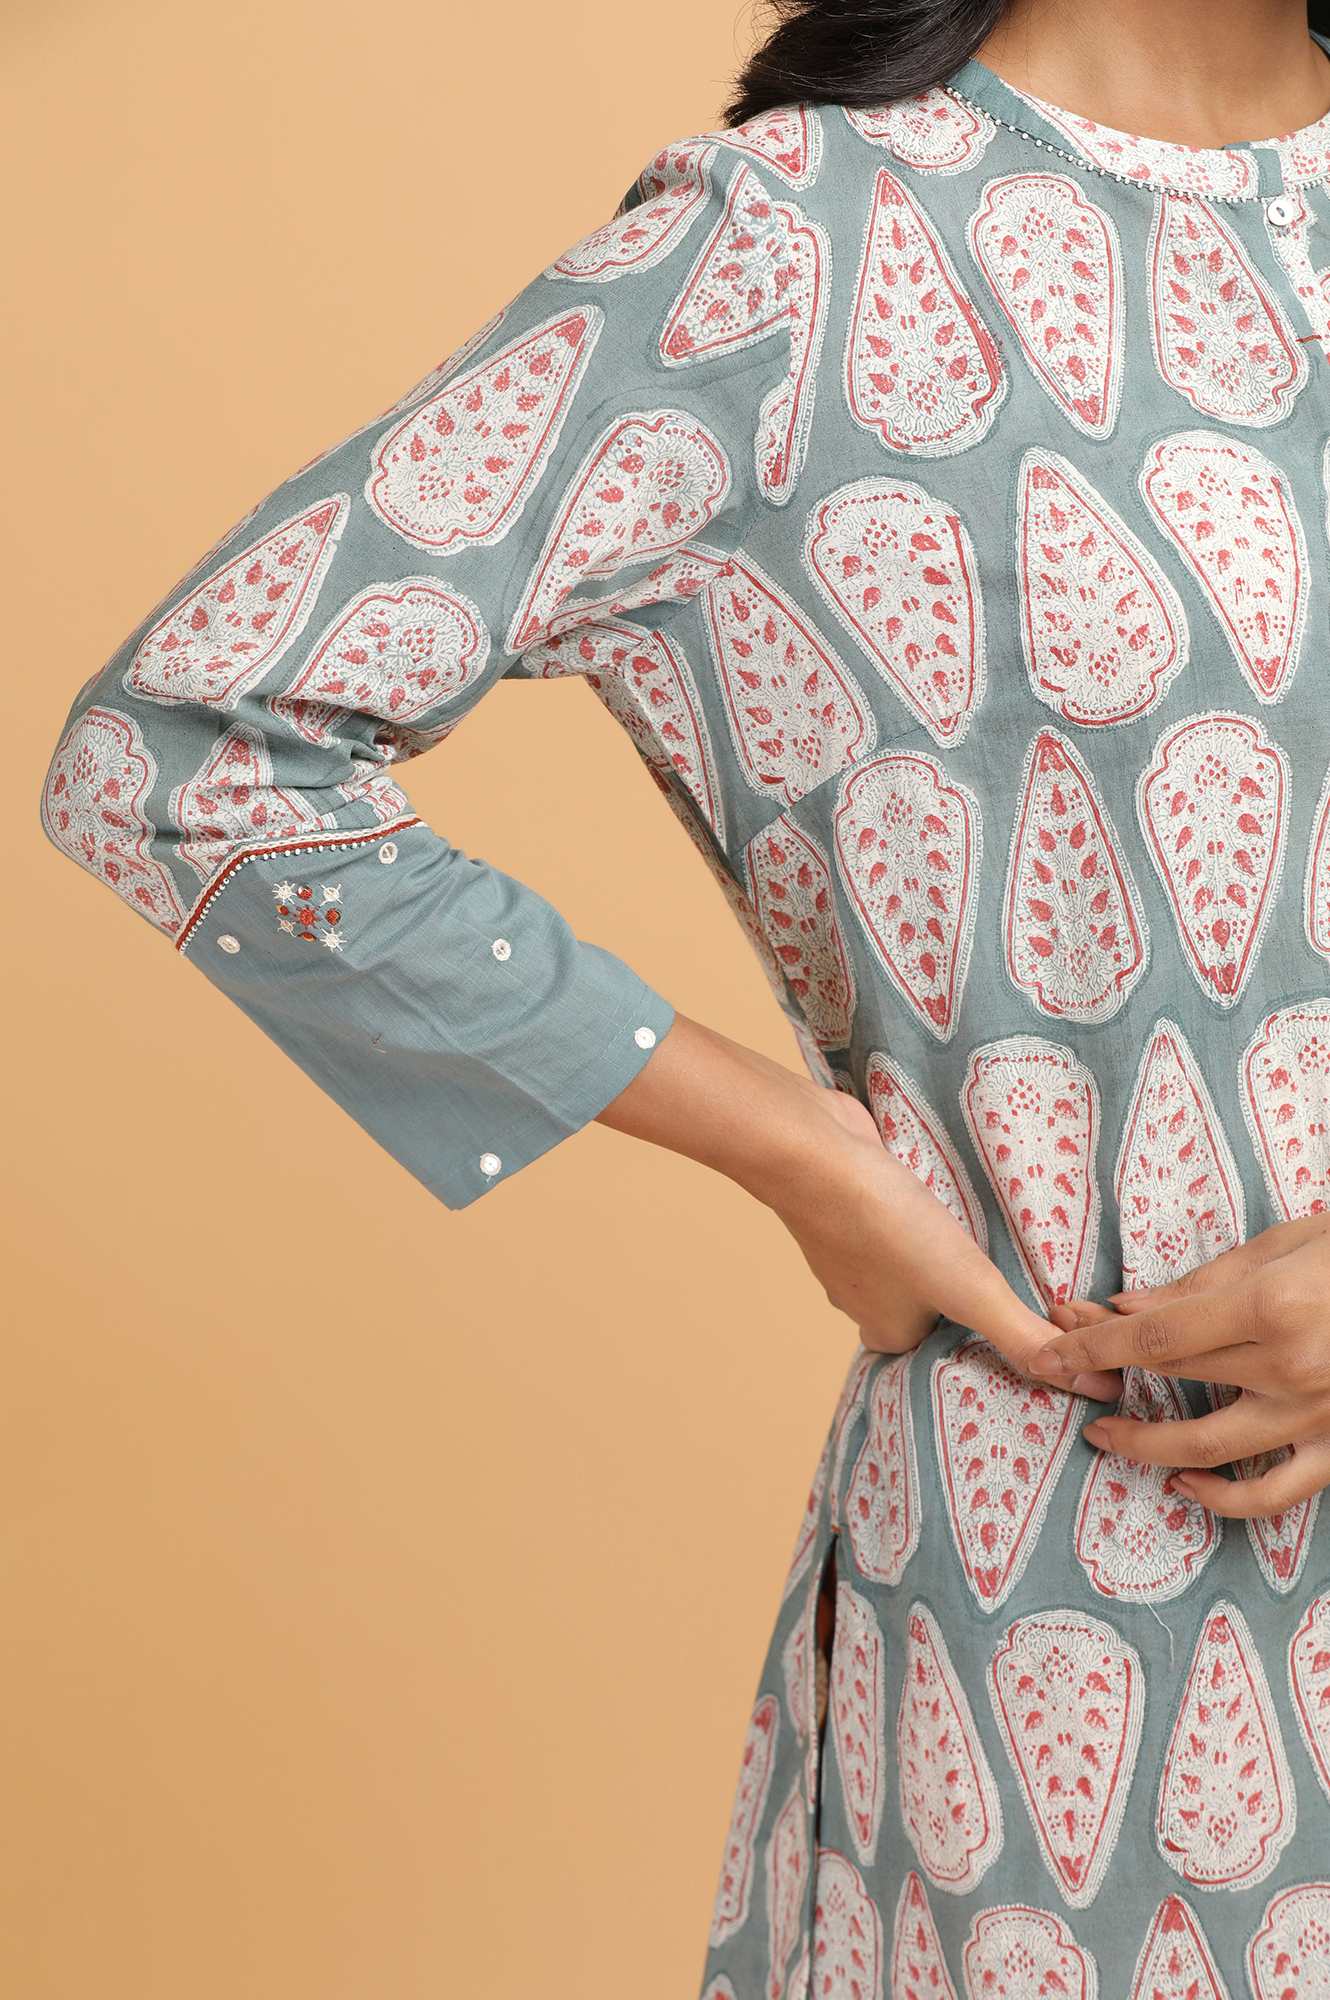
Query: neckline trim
(1243,170)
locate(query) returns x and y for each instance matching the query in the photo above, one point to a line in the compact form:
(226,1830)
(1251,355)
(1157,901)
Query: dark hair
(863,52)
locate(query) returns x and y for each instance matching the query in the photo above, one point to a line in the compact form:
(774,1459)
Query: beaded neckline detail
(1244,170)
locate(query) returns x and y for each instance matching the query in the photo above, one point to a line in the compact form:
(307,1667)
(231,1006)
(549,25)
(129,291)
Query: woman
(928,468)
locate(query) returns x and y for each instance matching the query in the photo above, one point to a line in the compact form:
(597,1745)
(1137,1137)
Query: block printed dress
(937,494)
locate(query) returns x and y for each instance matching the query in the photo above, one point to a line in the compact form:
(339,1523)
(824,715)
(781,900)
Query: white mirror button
(490,1163)
(501,948)
(229,943)
(388,852)
(645,1038)
(1281,209)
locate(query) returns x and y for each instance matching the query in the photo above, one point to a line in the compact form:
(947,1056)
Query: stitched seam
(1148,186)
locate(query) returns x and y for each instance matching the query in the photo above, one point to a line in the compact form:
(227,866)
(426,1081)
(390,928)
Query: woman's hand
(1256,1319)
(885,1250)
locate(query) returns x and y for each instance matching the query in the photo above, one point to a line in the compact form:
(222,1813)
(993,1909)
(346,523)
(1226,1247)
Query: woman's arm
(548,499)
(886,1250)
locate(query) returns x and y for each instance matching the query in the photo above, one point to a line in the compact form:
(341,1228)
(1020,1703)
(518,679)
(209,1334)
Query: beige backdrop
(384,1589)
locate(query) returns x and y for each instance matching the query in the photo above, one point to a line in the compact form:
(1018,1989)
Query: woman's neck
(1197,72)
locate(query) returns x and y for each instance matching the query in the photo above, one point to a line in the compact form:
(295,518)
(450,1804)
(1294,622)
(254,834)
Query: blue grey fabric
(937,495)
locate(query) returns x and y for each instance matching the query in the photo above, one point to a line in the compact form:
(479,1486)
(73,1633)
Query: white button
(490,1163)
(229,943)
(1281,209)
(388,852)
(645,1038)
(501,948)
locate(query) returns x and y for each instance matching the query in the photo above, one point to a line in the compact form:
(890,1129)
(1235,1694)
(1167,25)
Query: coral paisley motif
(1316,888)
(788,1862)
(796,715)
(922,371)
(858,1715)
(1175,1961)
(720,1989)
(675,187)
(786,138)
(1053,264)
(397,651)
(1002,1442)
(913,1133)
(1138,1538)
(1032,1110)
(1289,1957)
(1179,1195)
(1221,338)
(735,1890)
(790,880)
(1073,929)
(799,1666)
(1212,803)
(1103,630)
(898,569)
(948,1799)
(908,847)
(849,1404)
(806,1540)
(1069,1696)
(847,1950)
(934,131)
(231,629)
(918,1967)
(1279,1542)
(1015,1953)
(1231,516)
(93,808)
(762,275)
(652,480)
(1226,1808)
(1309,1680)
(882,1502)
(456,471)
(648,686)
(232,800)
(1286,1101)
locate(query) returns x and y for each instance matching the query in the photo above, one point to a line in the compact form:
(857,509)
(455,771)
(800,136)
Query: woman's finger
(1242,1429)
(1228,1268)
(1067,1315)
(1163,1338)
(973,1292)
(1293,1479)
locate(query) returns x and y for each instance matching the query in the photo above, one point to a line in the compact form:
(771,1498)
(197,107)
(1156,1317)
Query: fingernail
(1184,1486)
(1049,1360)
(1095,1434)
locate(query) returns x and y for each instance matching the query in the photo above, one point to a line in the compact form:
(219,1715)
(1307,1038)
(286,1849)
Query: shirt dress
(937,494)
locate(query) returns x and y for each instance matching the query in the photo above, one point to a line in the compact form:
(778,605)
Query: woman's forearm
(729,1108)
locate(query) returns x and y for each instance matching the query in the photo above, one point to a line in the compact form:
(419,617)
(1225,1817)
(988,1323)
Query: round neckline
(1241,170)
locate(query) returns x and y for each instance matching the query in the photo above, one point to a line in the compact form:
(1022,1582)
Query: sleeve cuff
(447,1007)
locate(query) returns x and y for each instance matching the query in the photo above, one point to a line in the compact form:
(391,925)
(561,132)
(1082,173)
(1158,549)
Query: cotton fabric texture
(937,494)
